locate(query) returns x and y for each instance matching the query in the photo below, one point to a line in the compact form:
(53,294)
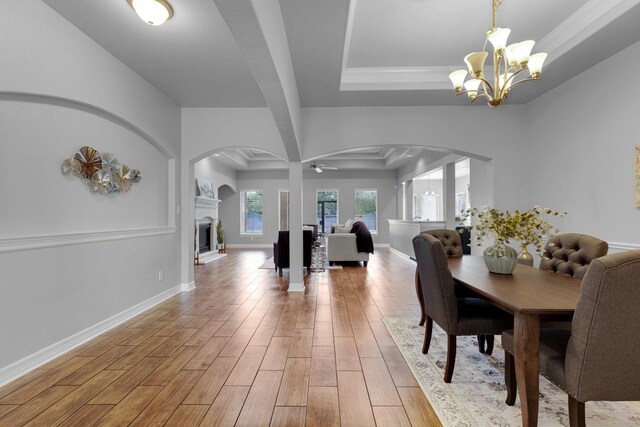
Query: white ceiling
(419,33)
(351,53)
(381,52)
(193,58)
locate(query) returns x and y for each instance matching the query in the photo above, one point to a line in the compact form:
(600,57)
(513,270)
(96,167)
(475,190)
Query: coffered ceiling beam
(397,155)
(237,158)
(259,31)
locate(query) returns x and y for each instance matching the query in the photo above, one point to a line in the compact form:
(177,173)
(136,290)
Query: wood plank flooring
(240,350)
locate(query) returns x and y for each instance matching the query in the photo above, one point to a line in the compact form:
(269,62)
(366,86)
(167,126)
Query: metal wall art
(102,173)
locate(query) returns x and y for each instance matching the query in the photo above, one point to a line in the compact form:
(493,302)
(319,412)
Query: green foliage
(526,226)
(253,202)
(365,202)
(219,232)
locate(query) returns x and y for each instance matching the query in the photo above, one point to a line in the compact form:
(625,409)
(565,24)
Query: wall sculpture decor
(205,189)
(104,174)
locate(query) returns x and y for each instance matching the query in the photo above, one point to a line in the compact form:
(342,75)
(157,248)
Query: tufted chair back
(571,253)
(450,240)
(439,296)
(603,357)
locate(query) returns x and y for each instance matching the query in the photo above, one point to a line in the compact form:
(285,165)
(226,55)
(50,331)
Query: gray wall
(580,150)
(216,172)
(267,181)
(345,182)
(50,106)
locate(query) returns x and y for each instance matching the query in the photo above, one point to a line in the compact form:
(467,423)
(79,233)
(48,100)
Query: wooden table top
(527,290)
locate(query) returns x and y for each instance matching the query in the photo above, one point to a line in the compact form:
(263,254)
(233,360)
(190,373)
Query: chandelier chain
(496,5)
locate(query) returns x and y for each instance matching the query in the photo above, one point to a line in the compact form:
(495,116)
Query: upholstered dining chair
(456,316)
(452,243)
(599,358)
(571,253)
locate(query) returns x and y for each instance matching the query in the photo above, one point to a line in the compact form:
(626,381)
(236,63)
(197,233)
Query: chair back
(438,289)
(281,249)
(603,354)
(571,253)
(450,240)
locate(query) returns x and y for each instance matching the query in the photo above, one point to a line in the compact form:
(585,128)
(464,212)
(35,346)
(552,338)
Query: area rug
(269,265)
(476,395)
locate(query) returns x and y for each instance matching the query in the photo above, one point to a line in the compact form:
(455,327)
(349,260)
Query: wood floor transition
(240,350)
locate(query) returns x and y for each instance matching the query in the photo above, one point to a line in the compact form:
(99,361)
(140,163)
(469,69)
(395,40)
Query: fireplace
(204,237)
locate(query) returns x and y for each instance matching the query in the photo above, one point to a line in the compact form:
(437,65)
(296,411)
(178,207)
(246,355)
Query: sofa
(281,250)
(341,246)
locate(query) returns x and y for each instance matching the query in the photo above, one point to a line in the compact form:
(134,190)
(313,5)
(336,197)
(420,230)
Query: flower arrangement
(525,226)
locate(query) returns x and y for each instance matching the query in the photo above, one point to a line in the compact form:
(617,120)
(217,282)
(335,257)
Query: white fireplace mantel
(206,208)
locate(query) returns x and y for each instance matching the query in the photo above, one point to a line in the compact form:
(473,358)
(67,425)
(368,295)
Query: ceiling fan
(320,167)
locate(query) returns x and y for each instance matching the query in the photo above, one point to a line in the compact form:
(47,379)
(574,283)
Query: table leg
(423,315)
(527,357)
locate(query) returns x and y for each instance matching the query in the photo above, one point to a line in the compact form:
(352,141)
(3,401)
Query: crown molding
(592,17)
(576,29)
(396,78)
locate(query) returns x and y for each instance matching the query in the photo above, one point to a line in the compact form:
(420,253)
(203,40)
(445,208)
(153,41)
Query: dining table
(531,295)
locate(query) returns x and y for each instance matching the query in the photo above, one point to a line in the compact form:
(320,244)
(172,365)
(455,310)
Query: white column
(408,200)
(296,277)
(449,190)
(187,223)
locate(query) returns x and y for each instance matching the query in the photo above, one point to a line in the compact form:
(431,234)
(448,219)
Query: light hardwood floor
(240,350)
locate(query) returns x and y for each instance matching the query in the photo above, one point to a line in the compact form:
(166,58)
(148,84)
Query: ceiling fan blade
(332,168)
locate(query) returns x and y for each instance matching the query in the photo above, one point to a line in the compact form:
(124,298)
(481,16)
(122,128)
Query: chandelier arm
(486,83)
(503,89)
(479,92)
(522,81)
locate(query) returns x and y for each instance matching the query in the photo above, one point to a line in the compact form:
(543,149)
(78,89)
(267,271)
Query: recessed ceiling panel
(423,33)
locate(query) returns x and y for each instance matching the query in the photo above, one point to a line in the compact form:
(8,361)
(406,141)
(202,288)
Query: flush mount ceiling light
(152,12)
(508,63)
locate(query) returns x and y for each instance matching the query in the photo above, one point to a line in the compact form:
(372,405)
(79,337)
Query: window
(251,212)
(367,208)
(283,210)
(327,209)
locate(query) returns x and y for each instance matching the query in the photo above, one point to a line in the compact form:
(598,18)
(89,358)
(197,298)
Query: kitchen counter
(401,234)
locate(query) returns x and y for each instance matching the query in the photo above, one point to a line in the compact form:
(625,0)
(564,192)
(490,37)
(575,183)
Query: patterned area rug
(476,395)
(268,265)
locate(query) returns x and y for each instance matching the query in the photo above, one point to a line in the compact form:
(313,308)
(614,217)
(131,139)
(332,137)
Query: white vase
(500,258)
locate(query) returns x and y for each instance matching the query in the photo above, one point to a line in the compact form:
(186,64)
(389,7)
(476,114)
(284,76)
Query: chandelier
(508,62)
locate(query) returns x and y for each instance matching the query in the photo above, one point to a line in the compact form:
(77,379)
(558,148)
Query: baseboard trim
(381,245)
(296,287)
(401,255)
(249,245)
(39,358)
(186,287)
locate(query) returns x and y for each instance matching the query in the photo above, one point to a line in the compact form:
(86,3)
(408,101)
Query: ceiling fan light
(535,64)
(471,86)
(475,62)
(317,169)
(152,12)
(457,78)
(498,38)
